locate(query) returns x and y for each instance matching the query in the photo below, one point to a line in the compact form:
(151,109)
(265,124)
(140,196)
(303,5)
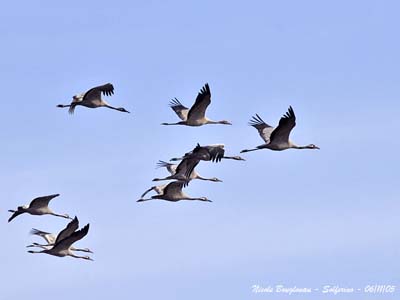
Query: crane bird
(173,192)
(195,116)
(92,99)
(214,153)
(52,239)
(38,206)
(277,138)
(179,172)
(63,247)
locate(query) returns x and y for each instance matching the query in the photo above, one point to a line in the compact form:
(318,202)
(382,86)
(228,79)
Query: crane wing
(179,109)
(173,187)
(286,124)
(68,230)
(68,241)
(186,167)
(49,237)
(264,130)
(203,100)
(42,201)
(170,167)
(95,93)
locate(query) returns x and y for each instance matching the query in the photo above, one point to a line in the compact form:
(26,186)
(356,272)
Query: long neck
(200,178)
(299,147)
(194,198)
(205,179)
(110,107)
(81,250)
(63,105)
(208,121)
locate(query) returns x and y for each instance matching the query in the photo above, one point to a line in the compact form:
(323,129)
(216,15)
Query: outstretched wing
(281,133)
(216,152)
(42,201)
(208,153)
(170,167)
(264,130)
(179,109)
(95,93)
(49,237)
(203,100)
(186,167)
(173,187)
(67,231)
(67,242)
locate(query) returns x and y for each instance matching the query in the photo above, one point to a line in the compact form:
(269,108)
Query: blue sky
(298,218)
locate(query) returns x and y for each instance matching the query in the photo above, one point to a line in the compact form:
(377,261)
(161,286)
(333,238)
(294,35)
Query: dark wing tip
(174,102)
(289,114)
(162,164)
(108,90)
(205,89)
(291,111)
(256,120)
(85,229)
(34,231)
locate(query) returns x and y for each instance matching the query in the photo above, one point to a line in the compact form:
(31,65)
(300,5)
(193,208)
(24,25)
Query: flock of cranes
(60,245)
(181,174)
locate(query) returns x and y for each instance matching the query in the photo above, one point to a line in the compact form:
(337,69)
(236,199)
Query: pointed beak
(218,180)
(316,147)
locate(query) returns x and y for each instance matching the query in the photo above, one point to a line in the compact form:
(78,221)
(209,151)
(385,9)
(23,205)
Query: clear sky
(299,217)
